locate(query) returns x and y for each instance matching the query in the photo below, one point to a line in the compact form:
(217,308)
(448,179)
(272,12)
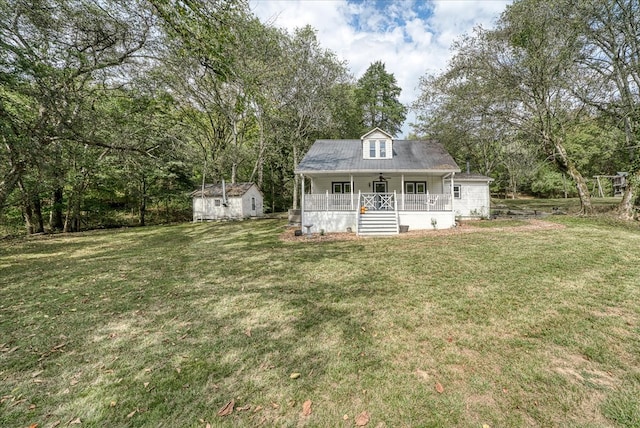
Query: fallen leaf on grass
(294,375)
(362,419)
(130,415)
(55,424)
(257,409)
(345,417)
(306,408)
(76,421)
(439,388)
(74,382)
(208,425)
(227,409)
(243,408)
(32,407)
(33,426)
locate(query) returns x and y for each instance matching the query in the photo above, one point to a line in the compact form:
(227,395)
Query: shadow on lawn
(139,328)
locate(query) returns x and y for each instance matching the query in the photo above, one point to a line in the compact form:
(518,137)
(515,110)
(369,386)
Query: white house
(230,201)
(376,185)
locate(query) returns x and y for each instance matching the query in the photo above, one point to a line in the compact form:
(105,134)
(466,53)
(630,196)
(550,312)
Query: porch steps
(376,223)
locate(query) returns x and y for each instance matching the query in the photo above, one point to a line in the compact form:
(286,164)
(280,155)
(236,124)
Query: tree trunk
(31,210)
(56,221)
(27,214)
(72,219)
(142,207)
(581,184)
(37,214)
(626,208)
(9,182)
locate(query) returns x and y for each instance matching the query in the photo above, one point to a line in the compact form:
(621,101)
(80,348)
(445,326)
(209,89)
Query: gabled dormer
(377,144)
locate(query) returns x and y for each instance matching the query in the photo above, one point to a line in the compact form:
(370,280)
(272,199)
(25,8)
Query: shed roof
(345,156)
(215,190)
(466,176)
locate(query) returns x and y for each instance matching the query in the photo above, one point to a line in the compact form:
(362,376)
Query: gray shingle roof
(345,156)
(465,176)
(215,190)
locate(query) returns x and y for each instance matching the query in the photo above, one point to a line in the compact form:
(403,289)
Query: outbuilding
(227,201)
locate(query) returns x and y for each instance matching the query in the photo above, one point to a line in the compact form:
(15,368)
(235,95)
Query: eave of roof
(465,176)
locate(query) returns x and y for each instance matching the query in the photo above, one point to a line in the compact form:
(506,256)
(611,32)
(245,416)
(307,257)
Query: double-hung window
(341,187)
(457,191)
(379,149)
(415,187)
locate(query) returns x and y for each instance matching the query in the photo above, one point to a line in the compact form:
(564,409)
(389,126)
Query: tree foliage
(538,80)
(131,104)
(377,94)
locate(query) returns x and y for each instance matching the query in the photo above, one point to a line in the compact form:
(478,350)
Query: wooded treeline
(118,106)
(552,92)
(107,107)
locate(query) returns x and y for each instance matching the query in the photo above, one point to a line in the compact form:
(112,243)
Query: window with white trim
(415,187)
(217,202)
(457,191)
(341,187)
(377,149)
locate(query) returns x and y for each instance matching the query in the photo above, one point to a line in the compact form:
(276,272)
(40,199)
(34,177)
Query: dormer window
(377,144)
(379,149)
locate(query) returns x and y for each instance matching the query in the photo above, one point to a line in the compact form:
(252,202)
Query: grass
(163,326)
(568,205)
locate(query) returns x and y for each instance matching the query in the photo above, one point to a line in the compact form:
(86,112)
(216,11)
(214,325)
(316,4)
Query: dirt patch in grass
(466,227)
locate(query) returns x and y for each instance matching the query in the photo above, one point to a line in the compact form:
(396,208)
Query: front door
(380,188)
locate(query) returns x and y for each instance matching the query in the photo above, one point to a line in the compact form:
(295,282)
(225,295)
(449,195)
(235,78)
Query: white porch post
(351,181)
(453,212)
(402,190)
(301,200)
(327,205)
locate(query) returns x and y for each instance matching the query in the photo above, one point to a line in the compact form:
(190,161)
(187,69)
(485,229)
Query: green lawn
(568,205)
(163,326)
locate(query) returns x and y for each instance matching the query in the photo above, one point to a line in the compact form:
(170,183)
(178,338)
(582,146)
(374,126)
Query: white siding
(474,201)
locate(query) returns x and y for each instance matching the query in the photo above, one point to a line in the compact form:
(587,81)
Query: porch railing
(426,202)
(330,202)
(377,201)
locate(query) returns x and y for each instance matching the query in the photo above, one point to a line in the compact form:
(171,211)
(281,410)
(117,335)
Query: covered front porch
(377,206)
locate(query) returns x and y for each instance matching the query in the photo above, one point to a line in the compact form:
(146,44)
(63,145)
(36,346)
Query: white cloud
(409,41)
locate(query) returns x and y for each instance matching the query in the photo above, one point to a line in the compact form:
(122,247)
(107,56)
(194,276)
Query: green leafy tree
(377,94)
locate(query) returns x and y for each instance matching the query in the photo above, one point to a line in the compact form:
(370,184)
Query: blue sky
(412,37)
